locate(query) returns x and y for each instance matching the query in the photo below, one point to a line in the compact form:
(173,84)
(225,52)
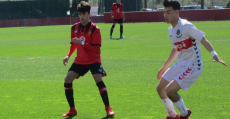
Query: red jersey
(90,34)
(117,9)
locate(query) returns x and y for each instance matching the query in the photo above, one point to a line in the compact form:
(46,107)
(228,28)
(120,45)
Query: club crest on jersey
(89,33)
(178,33)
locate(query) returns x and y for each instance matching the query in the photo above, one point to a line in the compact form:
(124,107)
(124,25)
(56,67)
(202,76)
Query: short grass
(32,74)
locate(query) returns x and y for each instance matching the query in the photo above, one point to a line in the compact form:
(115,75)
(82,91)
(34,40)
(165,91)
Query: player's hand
(76,40)
(161,72)
(65,60)
(216,58)
(111,17)
(123,19)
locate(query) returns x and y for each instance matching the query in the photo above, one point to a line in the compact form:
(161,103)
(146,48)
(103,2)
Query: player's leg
(75,71)
(111,31)
(165,100)
(71,75)
(171,91)
(97,72)
(184,80)
(102,88)
(104,94)
(121,28)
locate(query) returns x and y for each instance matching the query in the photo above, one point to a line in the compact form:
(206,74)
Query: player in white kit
(185,39)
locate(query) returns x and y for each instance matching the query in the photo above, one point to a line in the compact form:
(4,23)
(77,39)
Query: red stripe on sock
(103,89)
(70,88)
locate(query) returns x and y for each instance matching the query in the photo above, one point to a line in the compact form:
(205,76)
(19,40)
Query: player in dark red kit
(118,16)
(86,38)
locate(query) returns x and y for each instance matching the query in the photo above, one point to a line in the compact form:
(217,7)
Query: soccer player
(86,37)
(228,5)
(118,16)
(185,39)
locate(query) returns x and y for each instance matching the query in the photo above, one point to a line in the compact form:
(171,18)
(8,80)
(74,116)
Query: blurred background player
(185,39)
(86,37)
(228,5)
(118,16)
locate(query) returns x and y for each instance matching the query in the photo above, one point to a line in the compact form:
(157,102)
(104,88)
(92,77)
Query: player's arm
(112,14)
(123,16)
(209,47)
(93,47)
(199,35)
(123,13)
(168,62)
(71,50)
(112,8)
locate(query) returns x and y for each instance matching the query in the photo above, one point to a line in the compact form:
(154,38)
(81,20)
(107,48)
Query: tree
(93,2)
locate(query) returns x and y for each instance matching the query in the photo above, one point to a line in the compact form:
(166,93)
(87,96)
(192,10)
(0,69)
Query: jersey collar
(178,23)
(87,25)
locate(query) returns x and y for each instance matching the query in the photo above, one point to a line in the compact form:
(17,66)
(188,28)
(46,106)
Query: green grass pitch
(32,74)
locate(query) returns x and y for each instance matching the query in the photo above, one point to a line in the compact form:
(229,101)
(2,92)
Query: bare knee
(71,76)
(97,78)
(169,93)
(160,88)
(68,79)
(162,85)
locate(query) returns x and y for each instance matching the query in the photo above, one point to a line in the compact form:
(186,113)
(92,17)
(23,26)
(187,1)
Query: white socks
(181,107)
(169,107)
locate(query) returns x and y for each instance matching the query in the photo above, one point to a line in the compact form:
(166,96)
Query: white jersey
(185,37)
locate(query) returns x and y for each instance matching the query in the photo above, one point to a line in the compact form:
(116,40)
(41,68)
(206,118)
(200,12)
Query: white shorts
(184,75)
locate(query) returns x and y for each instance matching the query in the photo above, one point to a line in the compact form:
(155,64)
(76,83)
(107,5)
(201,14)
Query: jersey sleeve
(72,35)
(193,32)
(96,37)
(112,8)
(170,33)
(122,8)
(173,45)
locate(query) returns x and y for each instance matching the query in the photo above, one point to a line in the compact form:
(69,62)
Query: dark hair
(175,4)
(83,7)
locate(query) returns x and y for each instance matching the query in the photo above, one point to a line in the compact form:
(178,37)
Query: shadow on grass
(115,38)
(108,117)
(70,117)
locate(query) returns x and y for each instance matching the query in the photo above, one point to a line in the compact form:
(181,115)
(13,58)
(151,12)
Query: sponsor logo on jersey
(82,38)
(75,31)
(118,10)
(185,44)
